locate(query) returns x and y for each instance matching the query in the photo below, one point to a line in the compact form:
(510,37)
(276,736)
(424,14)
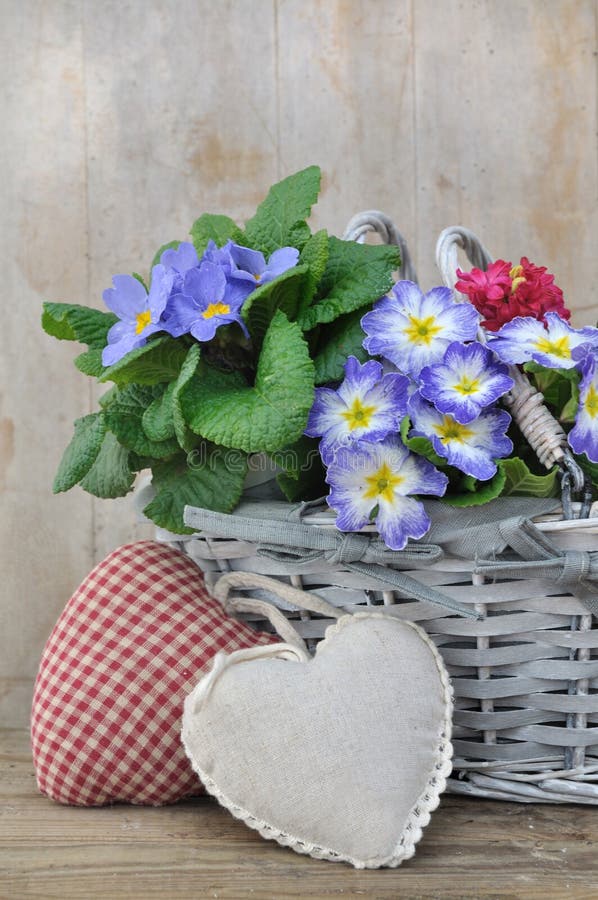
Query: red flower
(504,292)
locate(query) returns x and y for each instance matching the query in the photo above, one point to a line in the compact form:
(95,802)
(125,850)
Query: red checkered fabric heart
(131,643)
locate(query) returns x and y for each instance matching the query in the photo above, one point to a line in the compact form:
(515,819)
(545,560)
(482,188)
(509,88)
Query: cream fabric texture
(342,756)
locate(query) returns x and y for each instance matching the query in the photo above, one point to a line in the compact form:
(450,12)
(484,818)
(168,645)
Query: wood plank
(45,541)
(472,849)
(506,134)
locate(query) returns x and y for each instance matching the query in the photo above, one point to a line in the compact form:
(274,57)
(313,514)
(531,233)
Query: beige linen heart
(342,756)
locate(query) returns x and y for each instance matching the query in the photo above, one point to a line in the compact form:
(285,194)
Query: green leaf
(140,279)
(476,493)
(271,414)
(158,360)
(303,475)
(209,477)
(81,453)
(90,363)
(315,256)
(283,293)
(279,220)
(356,275)
(215,228)
(520,482)
(171,245)
(157,420)
(110,475)
(569,410)
(187,440)
(70,322)
(558,386)
(420,445)
(338,341)
(124,418)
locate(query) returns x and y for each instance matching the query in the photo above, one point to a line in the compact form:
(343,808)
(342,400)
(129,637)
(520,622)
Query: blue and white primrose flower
(471,447)
(468,379)
(367,405)
(413,330)
(583,437)
(380,477)
(554,344)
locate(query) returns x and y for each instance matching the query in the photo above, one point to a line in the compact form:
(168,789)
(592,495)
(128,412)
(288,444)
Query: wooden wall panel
(506,133)
(46,543)
(123,120)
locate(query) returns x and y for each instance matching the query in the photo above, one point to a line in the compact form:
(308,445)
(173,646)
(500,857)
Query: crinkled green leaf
(171,245)
(158,360)
(124,417)
(80,455)
(339,340)
(90,363)
(520,482)
(157,420)
(219,229)
(476,493)
(110,475)
(303,475)
(210,477)
(283,293)
(315,256)
(280,218)
(266,416)
(356,275)
(186,438)
(70,322)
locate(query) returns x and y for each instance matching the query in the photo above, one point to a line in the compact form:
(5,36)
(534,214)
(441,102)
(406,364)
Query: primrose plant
(272,342)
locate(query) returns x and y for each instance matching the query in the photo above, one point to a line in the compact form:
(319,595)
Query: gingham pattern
(130,644)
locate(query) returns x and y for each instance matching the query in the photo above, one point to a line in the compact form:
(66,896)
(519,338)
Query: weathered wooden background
(122,120)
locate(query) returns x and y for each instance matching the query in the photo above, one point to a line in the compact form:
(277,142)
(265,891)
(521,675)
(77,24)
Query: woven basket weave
(525,672)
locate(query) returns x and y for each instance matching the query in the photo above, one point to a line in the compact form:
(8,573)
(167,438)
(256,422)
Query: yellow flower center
(451,430)
(467,385)
(561,347)
(358,415)
(517,276)
(143,319)
(421,331)
(216,309)
(382,483)
(591,402)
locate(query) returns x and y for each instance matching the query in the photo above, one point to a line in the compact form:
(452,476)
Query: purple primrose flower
(139,311)
(181,258)
(207,301)
(250,265)
(366,477)
(468,379)
(367,405)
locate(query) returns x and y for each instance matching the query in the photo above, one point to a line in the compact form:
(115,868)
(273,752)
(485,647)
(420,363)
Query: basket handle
(539,427)
(372,220)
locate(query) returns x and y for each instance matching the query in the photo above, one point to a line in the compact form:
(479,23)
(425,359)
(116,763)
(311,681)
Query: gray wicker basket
(524,664)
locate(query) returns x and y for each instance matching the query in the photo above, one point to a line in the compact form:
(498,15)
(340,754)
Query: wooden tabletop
(472,849)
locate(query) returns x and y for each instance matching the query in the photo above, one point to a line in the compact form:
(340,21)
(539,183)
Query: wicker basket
(515,628)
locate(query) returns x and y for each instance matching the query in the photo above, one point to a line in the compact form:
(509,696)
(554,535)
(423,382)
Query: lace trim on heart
(420,814)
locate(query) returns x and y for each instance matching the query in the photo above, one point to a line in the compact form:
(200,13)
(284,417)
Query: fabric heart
(108,698)
(342,756)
